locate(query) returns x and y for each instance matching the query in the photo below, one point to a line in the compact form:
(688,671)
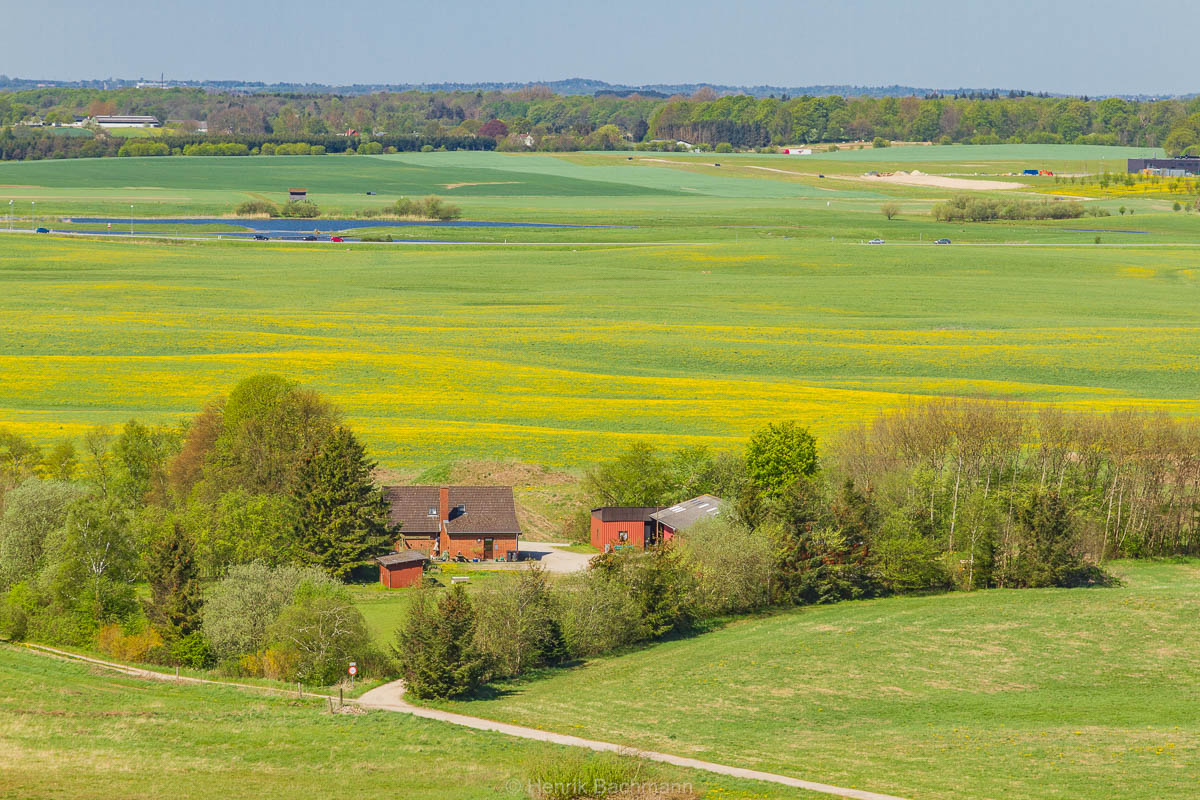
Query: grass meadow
(724,298)
(1007,694)
(71,732)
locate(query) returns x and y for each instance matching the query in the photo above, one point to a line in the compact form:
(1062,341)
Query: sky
(1067,46)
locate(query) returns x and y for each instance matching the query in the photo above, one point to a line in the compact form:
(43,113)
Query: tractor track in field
(390,697)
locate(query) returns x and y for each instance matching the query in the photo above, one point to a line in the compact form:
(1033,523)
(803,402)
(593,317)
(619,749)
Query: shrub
(981,209)
(432,207)
(302,209)
(731,566)
(517,627)
(724,147)
(426,148)
(216,149)
(318,633)
(112,640)
(257,208)
(143,147)
(879,141)
(240,608)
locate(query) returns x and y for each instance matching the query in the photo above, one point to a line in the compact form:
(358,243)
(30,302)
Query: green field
(993,694)
(71,732)
(728,298)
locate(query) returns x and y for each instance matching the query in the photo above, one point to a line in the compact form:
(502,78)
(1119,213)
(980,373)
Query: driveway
(554,558)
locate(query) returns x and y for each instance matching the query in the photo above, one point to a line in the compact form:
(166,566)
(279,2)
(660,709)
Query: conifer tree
(436,647)
(342,514)
(175,594)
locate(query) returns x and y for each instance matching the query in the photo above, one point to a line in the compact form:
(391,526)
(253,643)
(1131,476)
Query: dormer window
(461,509)
(433,511)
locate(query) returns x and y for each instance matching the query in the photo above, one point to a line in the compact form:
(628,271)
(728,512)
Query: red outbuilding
(401,570)
(623,526)
(476,523)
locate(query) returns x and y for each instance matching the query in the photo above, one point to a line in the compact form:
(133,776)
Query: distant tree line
(536,118)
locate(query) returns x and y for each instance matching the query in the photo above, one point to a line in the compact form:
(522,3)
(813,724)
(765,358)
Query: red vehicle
(336,239)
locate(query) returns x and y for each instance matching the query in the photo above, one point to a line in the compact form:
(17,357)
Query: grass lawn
(71,732)
(994,694)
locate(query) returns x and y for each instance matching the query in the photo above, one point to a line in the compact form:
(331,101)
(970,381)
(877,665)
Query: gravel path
(390,697)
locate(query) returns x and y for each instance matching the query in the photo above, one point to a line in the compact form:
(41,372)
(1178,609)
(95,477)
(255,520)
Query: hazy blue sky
(1078,46)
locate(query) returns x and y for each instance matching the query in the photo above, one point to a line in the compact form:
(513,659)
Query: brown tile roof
(487,509)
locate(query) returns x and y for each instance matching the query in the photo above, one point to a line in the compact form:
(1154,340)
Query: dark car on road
(42,230)
(261,237)
(310,238)
(942,241)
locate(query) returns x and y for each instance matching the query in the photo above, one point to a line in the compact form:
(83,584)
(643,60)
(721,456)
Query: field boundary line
(389,697)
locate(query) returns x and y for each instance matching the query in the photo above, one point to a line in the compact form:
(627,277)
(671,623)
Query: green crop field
(992,694)
(68,731)
(727,298)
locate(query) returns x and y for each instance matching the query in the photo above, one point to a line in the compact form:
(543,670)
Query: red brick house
(402,569)
(478,523)
(623,526)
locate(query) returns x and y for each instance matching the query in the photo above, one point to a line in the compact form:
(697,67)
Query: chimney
(444,503)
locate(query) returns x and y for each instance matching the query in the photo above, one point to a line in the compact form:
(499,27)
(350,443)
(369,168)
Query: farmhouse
(297,195)
(615,527)
(623,526)
(126,122)
(678,518)
(477,523)
(402,569)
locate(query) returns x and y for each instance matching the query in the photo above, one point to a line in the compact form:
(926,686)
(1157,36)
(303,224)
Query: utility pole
(131,220)
(33,215)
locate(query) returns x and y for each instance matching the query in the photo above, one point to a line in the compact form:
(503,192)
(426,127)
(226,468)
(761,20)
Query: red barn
(478,523)
(678,518)
(623,526)
(401,570)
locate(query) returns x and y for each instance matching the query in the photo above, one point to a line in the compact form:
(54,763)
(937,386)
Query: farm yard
(743,296)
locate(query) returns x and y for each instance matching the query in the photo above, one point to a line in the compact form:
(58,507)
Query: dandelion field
(706,314)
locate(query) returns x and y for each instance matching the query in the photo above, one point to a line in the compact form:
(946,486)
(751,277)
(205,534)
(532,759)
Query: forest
(537,118)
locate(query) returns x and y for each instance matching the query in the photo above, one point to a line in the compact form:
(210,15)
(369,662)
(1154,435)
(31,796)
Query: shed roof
(689,512)
(625,513)
(403,558)
(486,509)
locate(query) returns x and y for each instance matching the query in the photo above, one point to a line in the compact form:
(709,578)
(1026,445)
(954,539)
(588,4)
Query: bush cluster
(965,208)
(431,207)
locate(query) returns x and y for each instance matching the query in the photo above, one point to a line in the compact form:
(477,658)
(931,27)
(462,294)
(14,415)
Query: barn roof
(485,509)
(689,512)
(625,513)
(403,558)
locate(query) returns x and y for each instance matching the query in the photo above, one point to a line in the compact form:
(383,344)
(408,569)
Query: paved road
(553,558)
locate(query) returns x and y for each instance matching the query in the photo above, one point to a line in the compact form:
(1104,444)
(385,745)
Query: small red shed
(402,570)
(623,526)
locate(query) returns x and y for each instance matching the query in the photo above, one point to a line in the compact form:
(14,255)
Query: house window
(461,509)
(433,511)
(623,536)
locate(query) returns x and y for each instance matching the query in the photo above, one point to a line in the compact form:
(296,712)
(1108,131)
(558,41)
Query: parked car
(942,241)
(310,238)
(43,230)
(336,239)
(370,193)
(262,237)
(875,241)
